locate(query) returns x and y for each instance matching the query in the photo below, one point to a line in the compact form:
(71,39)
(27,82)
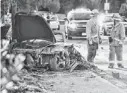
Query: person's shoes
(120,65)
(111,65)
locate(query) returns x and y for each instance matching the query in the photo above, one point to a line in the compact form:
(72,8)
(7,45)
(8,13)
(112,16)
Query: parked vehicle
(52,19)
(54,22)
(75,25)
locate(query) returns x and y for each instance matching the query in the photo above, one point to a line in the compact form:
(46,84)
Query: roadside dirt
(65,82)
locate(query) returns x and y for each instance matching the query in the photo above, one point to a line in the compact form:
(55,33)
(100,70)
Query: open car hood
(30,26)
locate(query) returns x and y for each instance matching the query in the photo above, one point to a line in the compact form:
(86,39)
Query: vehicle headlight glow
(73,25)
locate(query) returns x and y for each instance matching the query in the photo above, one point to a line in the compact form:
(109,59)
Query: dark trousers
(92,49)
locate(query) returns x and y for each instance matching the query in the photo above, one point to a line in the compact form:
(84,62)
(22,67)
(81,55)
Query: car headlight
(72,26)
(125,25)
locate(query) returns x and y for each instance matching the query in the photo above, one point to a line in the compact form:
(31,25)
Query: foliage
(27,4)
(54,6)
(4,6)
(22,4)
(68,5)
(10,66)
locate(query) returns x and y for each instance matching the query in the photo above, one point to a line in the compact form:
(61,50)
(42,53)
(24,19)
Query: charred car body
(33,37)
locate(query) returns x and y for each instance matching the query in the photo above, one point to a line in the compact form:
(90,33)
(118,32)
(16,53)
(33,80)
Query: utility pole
(106,6)
(37,4)
(14,10)
(106,10)
(28,6)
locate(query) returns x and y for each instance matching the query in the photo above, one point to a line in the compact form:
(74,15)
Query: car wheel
(58,27)
(69,38)
(66,36)
(105,33)
(126,32)
(54,64)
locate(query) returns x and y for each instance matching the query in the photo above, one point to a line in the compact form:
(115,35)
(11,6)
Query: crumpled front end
(53,57)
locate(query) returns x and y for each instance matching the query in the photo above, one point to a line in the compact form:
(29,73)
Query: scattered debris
(116,75)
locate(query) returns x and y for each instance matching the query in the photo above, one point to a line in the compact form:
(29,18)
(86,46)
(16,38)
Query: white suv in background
(54,22)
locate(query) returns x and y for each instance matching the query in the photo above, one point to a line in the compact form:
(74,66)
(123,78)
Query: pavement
(66,82)
(116,76)
(101,61)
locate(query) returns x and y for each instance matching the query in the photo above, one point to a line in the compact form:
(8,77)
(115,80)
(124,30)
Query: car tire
(126,32)
(53,64)
(105,33)
(66,36)
(58,27)
(69,38)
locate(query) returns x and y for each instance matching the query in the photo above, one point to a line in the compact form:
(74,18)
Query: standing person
(123,9)
(116,39)
(93,37)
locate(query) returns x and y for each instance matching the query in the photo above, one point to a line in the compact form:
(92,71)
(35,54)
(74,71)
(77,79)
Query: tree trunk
(14,11)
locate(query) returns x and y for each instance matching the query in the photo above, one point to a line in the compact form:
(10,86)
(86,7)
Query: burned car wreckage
(33,37)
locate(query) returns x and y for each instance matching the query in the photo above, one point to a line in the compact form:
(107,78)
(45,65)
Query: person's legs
(111,56)
(91,52)
(119,54)
(95,47)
